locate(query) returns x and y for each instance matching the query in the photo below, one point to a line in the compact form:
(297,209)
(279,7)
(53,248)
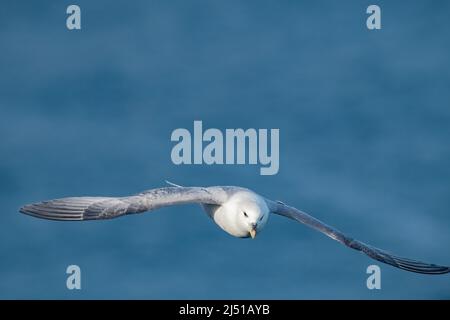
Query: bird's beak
(253,233)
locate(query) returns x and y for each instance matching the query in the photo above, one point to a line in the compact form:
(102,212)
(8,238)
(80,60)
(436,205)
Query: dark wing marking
(375,253)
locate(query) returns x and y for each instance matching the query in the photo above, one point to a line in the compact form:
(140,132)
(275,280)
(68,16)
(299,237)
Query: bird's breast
(225,219)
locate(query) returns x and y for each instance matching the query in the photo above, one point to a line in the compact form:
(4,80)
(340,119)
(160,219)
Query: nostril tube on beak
(253,230)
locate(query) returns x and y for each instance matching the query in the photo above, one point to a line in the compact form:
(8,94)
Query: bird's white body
(243,211)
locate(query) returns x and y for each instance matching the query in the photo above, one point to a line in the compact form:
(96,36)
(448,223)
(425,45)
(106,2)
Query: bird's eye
(245,214)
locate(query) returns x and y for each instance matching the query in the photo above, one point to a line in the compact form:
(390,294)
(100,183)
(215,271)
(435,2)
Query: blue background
(364,124)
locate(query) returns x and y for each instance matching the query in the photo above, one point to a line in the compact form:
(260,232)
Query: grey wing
(374,253)
(93,208)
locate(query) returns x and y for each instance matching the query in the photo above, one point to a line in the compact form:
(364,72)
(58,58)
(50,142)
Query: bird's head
(252,215)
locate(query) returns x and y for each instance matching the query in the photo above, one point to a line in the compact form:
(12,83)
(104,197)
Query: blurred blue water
(364,124)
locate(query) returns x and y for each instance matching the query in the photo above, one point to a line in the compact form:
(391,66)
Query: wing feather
(94,208)
(375,253)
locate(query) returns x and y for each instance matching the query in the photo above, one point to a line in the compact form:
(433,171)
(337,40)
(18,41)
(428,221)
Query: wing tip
(431,269)
(43,211)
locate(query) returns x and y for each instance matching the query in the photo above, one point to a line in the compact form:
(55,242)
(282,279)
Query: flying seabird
(238,211)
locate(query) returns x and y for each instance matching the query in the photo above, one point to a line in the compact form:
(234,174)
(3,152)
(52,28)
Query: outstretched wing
(374,253)
(92,208)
